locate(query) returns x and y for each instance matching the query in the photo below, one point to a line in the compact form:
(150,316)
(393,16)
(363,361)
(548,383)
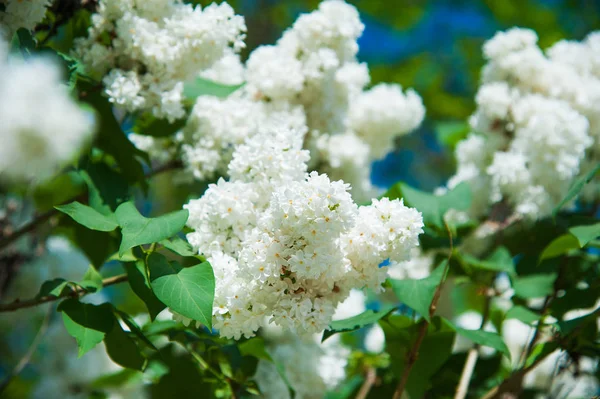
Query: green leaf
(523,314)
(23,40)
(559,246)
(434,352)
(433,207)
(203,87)
(418,294)
(98,246)
(534,286)
(485,338)
(88,217)
(183,378)
(54,287)
(499,261)
(585,234)
(575,299)
(140,284)
(117,379)
(179,246)
(147,124)
(576,187)
(567,326)
(58,190)
(92,280)
(401,334)
(107,188)
(540,351)
(578,237)
(110,137)
(449,133)
(356,322)
(122,349)
(188,291)
(87,323)
(255,347)
(134,328)
(139,230)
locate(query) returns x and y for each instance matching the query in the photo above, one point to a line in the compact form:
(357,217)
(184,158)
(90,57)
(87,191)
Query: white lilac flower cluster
(145,50)
(287,245)
(537,124)
(311,367)
(34,148)
(21,14)
(309,80)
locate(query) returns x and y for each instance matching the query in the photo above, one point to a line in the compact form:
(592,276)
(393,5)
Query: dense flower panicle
(274,74)
(384,112)
(34,148)
(222,217)
(288,246)
(536,126)
(384,230)
(157,45)
(270,159)
(22,14)
(217,126)
(309,80)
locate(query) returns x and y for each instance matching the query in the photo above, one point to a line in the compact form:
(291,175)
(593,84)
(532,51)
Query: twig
(44,217)
(414,353)
(517,377)
(473,354)
(27,356)
(365,388)
(79,292)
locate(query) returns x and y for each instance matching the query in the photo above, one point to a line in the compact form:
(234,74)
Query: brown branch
(516,379)
(79,292)
(414,353)
(365,388)
(44,217)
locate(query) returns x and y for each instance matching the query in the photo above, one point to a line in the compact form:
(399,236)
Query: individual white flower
(35,148)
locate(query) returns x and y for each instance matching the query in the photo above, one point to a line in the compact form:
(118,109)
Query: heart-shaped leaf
(88,217)
(139,230)
(188,291)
